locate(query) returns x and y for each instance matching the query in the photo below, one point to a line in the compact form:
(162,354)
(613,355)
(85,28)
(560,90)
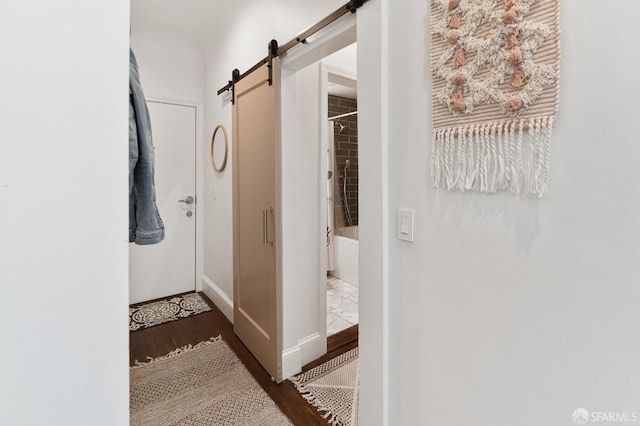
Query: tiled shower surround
(346,148)
(342,297)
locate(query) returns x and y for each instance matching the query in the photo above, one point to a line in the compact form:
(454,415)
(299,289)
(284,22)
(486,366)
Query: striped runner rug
(205,384)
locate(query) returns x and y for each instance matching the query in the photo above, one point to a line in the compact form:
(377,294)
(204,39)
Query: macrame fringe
(490,157)
(178,351)
(330,417)
(301,381)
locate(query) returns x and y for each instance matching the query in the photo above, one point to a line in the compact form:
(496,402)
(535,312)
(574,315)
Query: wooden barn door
(257,296)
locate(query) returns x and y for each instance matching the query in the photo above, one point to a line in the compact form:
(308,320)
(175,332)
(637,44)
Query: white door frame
(199,179)
(374,221)
(312,343)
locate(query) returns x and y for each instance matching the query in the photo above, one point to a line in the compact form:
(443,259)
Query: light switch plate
(405,224)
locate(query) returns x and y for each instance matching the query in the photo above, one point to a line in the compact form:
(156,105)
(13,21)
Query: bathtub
(346,255)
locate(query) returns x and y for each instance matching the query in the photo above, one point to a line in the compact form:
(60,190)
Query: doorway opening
(305,143)
(340,69)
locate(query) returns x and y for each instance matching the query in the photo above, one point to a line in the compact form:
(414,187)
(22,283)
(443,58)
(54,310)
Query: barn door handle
(265,226)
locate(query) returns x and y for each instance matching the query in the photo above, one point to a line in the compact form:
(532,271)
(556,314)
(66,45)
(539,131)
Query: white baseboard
(218,297)
(308,349)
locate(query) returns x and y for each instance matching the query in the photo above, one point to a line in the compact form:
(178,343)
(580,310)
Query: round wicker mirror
(223,154)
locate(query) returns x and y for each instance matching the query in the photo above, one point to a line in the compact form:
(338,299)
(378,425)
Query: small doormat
(205,384)
(172,309)
(333,387)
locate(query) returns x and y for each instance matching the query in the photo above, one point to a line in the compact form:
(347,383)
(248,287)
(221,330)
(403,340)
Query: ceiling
(344,59)
(209,22)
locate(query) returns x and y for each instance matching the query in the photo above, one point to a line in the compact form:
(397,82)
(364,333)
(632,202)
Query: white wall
(63,210)
(304,274)
(510,310)
(170,64)
(373,141)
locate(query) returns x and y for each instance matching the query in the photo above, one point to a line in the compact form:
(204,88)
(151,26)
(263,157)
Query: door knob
(188,200)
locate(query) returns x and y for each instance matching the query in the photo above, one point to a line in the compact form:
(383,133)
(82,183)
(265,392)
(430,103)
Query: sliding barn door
(256,291)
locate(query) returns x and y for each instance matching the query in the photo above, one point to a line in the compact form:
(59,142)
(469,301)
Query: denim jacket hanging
(145,224)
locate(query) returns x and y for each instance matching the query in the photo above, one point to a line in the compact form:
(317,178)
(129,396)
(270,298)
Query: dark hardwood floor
(162,339)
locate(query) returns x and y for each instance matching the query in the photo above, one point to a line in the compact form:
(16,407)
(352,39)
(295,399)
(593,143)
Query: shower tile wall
(346,149)
(342,305)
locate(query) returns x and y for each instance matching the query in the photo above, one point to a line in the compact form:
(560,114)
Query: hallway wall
(170,64)
(64,213)
(509,310)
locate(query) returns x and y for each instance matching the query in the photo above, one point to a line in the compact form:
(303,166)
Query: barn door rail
(274,50)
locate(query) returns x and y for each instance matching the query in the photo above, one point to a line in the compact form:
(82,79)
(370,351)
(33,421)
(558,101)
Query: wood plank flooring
(162,339)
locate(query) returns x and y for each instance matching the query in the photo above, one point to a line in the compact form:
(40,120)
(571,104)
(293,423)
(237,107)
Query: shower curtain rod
(351,6)
(343,115)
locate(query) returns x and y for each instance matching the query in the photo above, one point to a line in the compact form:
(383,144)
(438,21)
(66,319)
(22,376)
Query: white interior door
(168,268)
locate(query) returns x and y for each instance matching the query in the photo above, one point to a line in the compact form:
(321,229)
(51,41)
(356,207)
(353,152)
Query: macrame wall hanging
(495,66)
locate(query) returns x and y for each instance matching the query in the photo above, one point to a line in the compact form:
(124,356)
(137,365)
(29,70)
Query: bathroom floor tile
(349,313)
(349,291)
(336,324)
(335,303)
(342,305)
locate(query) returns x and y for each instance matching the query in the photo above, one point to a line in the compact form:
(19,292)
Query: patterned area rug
(172,309)
(201,385)
(333,387)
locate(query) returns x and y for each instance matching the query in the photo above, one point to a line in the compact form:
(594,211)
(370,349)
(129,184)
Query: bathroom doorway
(304,129)
(340,70)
